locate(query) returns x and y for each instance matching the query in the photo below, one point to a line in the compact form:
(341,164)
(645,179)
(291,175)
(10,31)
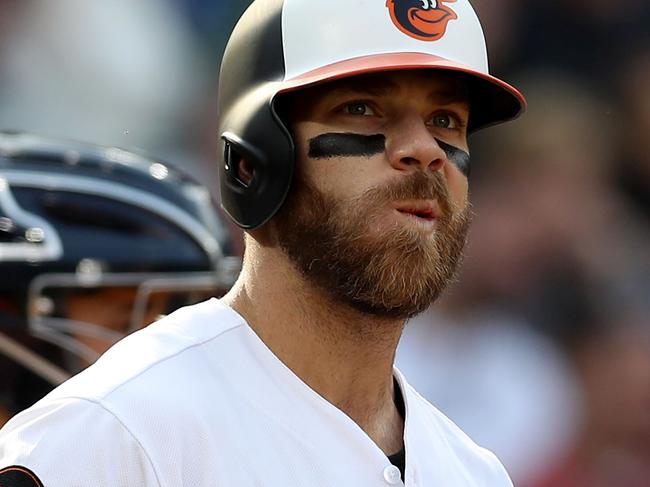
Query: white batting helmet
(285,45)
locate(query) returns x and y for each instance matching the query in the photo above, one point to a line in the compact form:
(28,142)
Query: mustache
(416,186)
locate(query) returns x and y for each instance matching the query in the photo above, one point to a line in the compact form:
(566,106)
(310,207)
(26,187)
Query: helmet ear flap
(255,142)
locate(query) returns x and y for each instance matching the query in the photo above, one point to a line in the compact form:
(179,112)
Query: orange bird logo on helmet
(425,20)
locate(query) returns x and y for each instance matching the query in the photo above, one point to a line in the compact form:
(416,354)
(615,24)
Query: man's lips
(423,209)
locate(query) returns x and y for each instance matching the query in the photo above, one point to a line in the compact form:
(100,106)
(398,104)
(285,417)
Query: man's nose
(410,145)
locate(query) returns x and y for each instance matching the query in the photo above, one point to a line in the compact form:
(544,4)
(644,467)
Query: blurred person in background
(569,218)
(95,242)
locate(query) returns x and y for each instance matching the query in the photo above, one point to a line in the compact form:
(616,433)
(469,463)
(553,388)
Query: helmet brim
(493,101)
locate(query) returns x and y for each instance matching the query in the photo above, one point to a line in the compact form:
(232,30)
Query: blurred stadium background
(542,351)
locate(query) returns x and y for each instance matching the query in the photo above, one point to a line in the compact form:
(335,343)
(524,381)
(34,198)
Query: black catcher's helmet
(77,217)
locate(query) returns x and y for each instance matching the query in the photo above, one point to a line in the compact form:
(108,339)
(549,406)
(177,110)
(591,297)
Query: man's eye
(444,121)
(358,108)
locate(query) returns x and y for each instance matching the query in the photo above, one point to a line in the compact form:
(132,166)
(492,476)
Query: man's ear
(245,171)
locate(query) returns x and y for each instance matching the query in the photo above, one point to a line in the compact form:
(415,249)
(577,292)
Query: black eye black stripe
(345,145)
(330,145)
(457,156)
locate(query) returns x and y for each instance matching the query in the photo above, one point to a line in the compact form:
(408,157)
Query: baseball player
(344,155)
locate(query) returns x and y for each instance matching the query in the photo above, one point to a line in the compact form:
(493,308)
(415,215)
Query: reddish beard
(397,274)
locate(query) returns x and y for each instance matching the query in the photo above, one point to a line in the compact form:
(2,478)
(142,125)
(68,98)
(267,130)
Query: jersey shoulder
(120,413)
(69,442)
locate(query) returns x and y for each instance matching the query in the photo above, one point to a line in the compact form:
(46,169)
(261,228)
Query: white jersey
(197,399)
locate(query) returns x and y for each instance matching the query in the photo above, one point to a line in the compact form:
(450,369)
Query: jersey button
(392,475)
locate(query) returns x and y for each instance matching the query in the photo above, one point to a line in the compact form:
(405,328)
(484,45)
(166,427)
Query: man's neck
(342,354)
